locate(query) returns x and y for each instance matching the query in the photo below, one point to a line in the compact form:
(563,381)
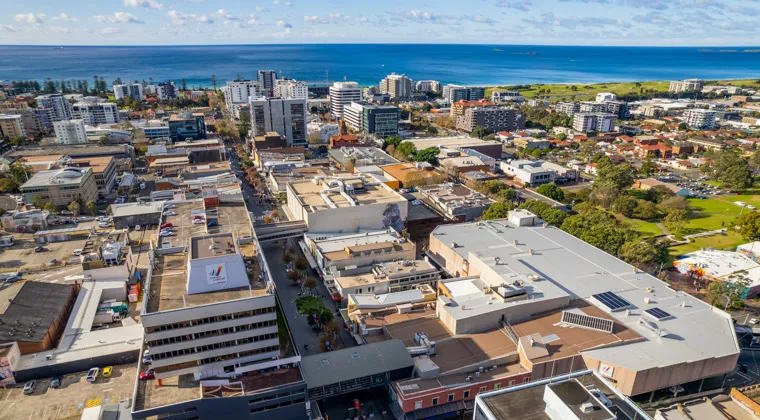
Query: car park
(92,374)
(29,387)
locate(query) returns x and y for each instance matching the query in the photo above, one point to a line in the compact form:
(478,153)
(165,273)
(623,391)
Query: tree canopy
(552,191)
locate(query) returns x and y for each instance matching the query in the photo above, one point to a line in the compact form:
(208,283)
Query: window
(451,397)
(496,386)
(482,389)
(467,394)
(417,405)
(511,383)
(525,380)
(435,401)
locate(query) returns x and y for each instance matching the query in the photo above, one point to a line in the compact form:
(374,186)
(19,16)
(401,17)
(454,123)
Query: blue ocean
(368,63)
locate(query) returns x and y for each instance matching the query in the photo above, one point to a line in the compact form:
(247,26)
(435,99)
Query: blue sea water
(368,63)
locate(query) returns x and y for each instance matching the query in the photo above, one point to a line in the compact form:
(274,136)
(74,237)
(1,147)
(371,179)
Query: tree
(625,205)
(213,81)
(544,211)
(647,167)
(310,283)
(498,210)
(20,173)
(294,275)
(480,132)
(561,137)
(675,202)
(301,264)
(645,255)
(552,191)
(683,126)
(749,225)
(90,208)
(287,258)
(391,141)
(49,207)
(7,185)
(406,150)
(74,207)
(429,155)
(675,220)
(645,210)
(754,162)
(730,170)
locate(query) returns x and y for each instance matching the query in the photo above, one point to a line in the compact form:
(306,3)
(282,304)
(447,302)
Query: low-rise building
(104,169)
(704,143)
(324,130)
(737,268)
(569,108)
(700,119)
(456,201)
(527,172)
(507,96)
(360,156)
(531,143)
(491,148)
(70,132)
(599,122)
(388,277)
(61,186)
(187,126)
(687,85)
(494,119)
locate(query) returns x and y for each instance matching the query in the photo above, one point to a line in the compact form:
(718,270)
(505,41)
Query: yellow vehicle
(107,371)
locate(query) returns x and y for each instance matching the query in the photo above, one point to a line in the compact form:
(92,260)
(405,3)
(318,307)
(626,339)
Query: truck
(114,305)
(106,317)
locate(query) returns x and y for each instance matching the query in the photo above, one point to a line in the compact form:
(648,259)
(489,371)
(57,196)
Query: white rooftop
(133,209)
(720,265)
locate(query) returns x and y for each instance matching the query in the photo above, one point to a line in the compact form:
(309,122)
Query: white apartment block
(501,97)
(353,115)
(96,113)
(397,86)
(605,96)
(166,91)
(341,95)
(70,132)
(569,108)
(11,126)
(325,130)
(588,106)
(599,122)
(287,117)
(60,106)
(129,90)
(688,85)
(700,119)
(429,86)
(291,89)
(267,80)
(239,92)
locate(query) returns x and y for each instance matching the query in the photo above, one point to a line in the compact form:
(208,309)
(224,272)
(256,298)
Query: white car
(198,221)
(741,203)
(165,234)
(751,207)
(753,321)
(170,206)
(104,225)
(170,213)
(77,252)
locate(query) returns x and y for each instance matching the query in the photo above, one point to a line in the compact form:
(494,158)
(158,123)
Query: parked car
(92,374)
(212,223)
(29,387)
(137,227)
(170,206)
(56,382)
(753,321)
(170,213)
(148,374)
(166,225)
(162,234)
(147,359)
(197,221)
(107,371)
(77,252)
(104,225)
(40,248)
(751,207)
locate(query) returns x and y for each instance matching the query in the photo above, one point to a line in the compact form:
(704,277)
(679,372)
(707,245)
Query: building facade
(341,95)
(429,86)
(96,113)
(11,126)
(267,80)
(569,108)
(599,122)
(70,132)
(380,120)
(129,90)
(291,89)
(61,186)
(239,92)
(398,86)
(187,126)
(60,106)
(288,117)
(493,118)
(688,85)
(166,91)
(700,119)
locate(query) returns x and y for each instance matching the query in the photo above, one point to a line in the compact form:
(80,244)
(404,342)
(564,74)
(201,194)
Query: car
(107,371)
(753,321)
(170,206)
(56,382)
(751,207)
(66,213)
(170,213)
(29,387)
(162,234)
(77,252)
(102,212)
(166,225)
(148,374)
(212,223)
(198,221)
(147,358)
(137,227)
(53,262)
(104,224)
(40,248)
(92,374)
(740,203)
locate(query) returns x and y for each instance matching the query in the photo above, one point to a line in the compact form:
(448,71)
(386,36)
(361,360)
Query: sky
(551,22)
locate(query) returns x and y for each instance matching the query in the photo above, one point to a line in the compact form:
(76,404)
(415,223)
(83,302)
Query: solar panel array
(611,301)
(587,321)
(658,314)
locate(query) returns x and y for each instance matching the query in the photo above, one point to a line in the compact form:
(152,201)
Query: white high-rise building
(291,89)
(70,132)
(605,96)
(129,90)
(239,92)
(599,122)
(266,82)
(96,113)
(287,117)
(688,85)
(700,119)
(429,86)
(60,106)
(341,95)
(397,86)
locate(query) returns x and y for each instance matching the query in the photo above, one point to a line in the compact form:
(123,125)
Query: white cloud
(287,4)
(8,28)
(179,18)
(283,24)
(66,18)
(254,20)
(59,30)
(118,17)
(276,2)
(261,9)
(287,32)
(331,18)
(148,4)
(29,17)
(110,31)
(522,5)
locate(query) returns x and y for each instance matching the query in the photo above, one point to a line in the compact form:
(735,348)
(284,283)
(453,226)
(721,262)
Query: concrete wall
(76,366)
(139,219)
(351,219)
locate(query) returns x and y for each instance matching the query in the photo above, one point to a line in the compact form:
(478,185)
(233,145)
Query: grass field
(728,240)
(647,229)
(711,215)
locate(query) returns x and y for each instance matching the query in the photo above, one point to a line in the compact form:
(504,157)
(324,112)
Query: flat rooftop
(454,195)
(338,242)
(28,309)
(322,195)
(136,209)
(58,177)
(98,163)
(212,245)
(553,262)
(379,247)
(451,142)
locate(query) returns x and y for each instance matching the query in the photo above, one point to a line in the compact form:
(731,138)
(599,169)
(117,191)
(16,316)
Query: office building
(129,90)
(60,106)
(186,126)
(267,80)
(397,86)
(688,85)
(96,113)
(239,92)
(569,108)
(429,86)
(70,132)
(287,117)
(527,172)
(492,118)
(605,97)
(104,169)
(380,120)
(11,126)
(599,122)
(700,119)
(61,186)
(341,95)
(291,89)
(166,91)
(156,129)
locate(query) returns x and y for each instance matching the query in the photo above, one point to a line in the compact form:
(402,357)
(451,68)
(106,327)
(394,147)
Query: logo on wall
(606,370)
(216,273)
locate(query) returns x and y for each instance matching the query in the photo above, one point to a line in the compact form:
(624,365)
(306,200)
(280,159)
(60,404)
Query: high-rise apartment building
(380,120)
(569,108)
(70,132)
(267,80)
(455,93)
(96,113)
(397,86)
(60,106)
(600,122)
(341,95)
(688,85)
(287,117)
(291,89)
(239,92)
(700,119)
(493,118)
(166,91)
(11,126)
(129,90)
(588,106)
(426,86)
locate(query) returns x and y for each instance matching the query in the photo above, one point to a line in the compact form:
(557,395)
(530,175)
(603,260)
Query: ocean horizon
(367,64)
